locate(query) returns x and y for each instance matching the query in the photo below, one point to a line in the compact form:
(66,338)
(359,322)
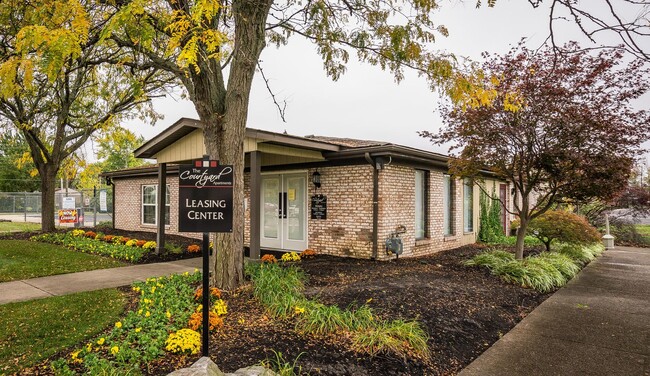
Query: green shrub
(391,337)
(562,226)
(490,228)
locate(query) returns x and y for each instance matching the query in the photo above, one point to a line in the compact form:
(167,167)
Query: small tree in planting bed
(563,226)
(558,125)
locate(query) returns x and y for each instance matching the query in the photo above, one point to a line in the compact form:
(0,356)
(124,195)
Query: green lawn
(35,330)
(18,226)
(22,259)
(644,230)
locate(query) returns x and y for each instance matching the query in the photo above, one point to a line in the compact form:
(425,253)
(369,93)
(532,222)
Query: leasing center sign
(205,197)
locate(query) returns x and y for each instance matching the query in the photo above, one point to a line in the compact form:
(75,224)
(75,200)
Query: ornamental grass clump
(280,290)
(544,272)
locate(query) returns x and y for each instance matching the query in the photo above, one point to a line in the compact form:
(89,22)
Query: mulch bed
(464,311)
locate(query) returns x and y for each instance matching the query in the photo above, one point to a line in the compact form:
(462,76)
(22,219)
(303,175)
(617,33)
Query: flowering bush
(78,233)
(290,256)
(193,248)
(215,292)
(307,253)
(108,238)
(220,307)
(184,341)
(90,234)
(196,321)
(268,259)
(140,243)
(99,236)
(149,245)
(131,243)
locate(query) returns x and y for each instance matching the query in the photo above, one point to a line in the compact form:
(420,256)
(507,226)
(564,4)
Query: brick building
(337,196)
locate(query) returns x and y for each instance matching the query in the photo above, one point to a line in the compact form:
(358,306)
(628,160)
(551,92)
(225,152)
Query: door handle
(280,206)
(284,205)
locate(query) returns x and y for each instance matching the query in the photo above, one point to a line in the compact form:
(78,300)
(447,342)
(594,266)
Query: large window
(468,205)
(447,205)
(149,204)
(420,204)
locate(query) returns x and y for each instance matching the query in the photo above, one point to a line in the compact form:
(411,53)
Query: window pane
(446,205)
(419,204)
(468,206)
(167,214)
(149,194)
(149,214)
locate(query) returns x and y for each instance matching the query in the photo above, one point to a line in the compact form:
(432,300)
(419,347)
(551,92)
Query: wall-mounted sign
(205,197)
(318,207)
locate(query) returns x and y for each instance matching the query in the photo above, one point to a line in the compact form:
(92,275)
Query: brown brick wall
(347,231)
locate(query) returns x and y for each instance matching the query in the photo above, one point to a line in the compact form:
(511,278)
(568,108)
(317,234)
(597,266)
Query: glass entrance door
(283,212)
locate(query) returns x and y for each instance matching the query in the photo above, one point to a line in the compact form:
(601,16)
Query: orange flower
(269,259)
(193,248)
(215,292)
(196,320)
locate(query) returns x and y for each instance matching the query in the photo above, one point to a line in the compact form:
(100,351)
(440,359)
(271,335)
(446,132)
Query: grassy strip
(6,227)
(543,272)
(86,245)
(165,307)
(35,330)
(279,289)
(22,259)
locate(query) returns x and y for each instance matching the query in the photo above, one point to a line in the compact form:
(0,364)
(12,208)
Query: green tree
(213,48)
(15,171)
(490,228)
(60,83)
(115,149)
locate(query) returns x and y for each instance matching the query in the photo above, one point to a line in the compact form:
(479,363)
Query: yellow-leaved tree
(60,82)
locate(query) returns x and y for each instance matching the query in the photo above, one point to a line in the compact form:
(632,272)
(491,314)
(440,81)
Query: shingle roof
(347,142)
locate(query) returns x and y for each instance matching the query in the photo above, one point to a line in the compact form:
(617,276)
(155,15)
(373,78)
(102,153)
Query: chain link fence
(90,207)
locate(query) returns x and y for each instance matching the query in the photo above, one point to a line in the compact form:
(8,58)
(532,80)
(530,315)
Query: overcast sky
(366,103)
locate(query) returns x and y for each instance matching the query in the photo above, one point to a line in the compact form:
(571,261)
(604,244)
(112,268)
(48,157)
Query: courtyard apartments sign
(205,197)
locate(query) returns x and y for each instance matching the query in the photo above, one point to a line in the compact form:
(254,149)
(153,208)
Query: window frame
(468,206)
(447,205)
(155,205)
(423,233)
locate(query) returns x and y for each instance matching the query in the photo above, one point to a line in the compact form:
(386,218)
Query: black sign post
(205,205)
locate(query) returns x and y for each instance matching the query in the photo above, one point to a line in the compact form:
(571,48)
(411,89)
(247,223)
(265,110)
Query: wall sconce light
(315,178)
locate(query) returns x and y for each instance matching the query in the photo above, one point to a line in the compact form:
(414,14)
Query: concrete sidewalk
(63,284)
(599,324)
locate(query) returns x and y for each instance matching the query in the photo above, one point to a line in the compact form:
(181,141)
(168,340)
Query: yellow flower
(89,347)
(147,314)
(298,310)
(118,324)
(137,330)
(153,289)
(168,314)
(115,350)
(140,311)
(136,289)
(101,341)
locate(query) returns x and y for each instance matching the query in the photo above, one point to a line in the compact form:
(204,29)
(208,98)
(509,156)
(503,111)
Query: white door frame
(279,230)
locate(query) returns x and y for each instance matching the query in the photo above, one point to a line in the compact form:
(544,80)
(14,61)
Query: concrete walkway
(599,324)
(63,284)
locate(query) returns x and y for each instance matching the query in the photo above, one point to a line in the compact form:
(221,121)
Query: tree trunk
(48,186)
(225,134)
(521,235)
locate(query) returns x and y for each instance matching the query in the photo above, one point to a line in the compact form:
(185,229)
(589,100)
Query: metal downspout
(375,206)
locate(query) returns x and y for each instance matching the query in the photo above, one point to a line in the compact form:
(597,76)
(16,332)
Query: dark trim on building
(254,201)
(160,201)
